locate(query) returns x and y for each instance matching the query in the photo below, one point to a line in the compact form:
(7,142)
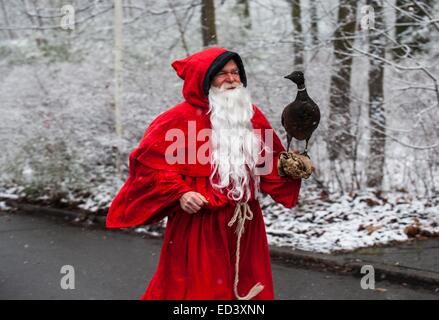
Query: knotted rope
(242,213)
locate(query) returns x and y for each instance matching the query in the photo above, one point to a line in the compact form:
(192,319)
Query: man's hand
(192,202)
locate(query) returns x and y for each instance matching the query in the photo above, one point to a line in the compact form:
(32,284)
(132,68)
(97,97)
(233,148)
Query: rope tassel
(242,213)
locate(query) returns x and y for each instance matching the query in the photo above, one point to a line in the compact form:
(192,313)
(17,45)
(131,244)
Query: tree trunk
(339,134)
(208,27)
(314,23)
(297,33)
(118,76)
(377,116)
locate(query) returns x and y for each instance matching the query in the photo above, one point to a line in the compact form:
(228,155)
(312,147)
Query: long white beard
(235,147)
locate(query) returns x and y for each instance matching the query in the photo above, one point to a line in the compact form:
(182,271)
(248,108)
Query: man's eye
(233,73)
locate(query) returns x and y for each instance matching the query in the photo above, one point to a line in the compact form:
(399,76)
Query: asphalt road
(116,265)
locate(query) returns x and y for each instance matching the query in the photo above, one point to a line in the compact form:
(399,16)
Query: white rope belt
(242,213)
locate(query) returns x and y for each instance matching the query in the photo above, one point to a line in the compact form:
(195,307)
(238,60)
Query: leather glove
(296,166)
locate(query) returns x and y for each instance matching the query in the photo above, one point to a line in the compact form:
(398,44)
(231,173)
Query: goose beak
(287,77)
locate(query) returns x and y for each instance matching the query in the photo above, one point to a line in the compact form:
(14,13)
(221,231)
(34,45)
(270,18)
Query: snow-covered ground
(350,221)
(322,224)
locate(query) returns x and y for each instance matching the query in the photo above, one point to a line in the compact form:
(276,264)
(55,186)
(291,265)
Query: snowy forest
(80,81)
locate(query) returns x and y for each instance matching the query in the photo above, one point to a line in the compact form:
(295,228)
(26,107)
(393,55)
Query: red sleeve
(281,189)
(284,190)
(147,196)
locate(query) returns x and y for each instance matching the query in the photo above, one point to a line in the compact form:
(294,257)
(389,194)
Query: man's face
(229,75)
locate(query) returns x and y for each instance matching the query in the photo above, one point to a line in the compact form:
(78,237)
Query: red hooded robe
(197,260)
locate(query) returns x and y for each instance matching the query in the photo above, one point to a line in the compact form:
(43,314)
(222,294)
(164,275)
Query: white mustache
(227,85)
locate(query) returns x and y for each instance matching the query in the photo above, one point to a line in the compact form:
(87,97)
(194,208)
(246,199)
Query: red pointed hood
(198,70)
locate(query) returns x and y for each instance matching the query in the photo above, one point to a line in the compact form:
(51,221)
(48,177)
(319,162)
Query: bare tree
(181,24)
(377,115)
(314,22)
(412,27)
(339,101)
(296,18)
(208,26)
(118,74)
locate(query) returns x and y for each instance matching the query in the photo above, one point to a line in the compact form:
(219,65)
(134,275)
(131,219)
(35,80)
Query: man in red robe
(202,164)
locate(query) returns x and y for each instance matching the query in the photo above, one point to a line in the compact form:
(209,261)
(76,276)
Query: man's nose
(230,78)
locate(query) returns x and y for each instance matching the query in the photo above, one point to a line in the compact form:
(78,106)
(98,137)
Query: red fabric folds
(198,253)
